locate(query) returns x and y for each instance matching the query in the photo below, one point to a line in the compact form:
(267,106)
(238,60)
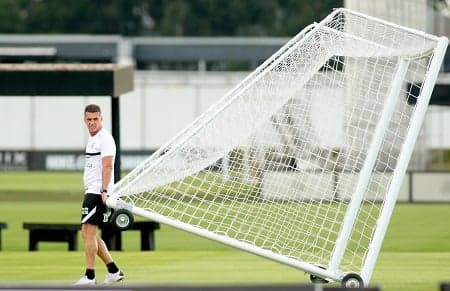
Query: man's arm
(107,167)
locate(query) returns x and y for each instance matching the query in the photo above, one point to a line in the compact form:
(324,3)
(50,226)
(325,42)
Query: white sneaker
(113,278)
(84,281)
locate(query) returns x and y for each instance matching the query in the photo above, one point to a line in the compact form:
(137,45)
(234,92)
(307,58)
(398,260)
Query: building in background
(176,80)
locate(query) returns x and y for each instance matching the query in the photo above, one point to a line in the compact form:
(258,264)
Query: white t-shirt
(98,146)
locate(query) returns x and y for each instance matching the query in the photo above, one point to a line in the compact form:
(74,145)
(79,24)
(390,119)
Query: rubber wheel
(122,219)
(317,280)
(352,280)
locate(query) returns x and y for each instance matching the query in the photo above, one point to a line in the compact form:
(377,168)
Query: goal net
(303,160)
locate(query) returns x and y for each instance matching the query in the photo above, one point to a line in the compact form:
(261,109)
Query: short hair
(92,108)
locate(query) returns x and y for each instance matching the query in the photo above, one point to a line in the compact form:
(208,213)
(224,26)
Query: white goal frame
(332,271)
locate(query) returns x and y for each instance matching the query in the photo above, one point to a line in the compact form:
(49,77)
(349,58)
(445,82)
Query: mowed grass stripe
(415,253)
(394,271)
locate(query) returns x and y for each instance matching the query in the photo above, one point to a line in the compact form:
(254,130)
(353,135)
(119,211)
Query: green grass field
(415,254)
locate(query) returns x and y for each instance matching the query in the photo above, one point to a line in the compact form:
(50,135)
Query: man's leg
(89,234)
(103,251)
(114,274)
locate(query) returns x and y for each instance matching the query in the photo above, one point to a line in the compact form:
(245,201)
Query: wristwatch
(104,191)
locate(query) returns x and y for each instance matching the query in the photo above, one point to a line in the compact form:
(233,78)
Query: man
(98,181)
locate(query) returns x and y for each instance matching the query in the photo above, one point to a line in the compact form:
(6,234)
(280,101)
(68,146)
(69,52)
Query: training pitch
(415,253)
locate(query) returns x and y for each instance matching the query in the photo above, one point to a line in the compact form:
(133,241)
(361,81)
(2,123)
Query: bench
(113,238)
(3,225)
(60,232)
(67,232)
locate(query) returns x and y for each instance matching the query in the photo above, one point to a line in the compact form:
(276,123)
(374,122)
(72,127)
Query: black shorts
(93,211)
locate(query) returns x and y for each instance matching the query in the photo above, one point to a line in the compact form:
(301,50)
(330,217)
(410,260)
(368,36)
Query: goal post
(303,160)
(403,159)
(369,163)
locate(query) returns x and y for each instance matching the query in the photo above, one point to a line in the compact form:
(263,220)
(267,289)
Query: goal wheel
(122,219)
(352,280)
(316,279)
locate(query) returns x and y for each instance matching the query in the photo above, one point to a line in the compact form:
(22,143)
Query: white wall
(411,13)
(161,104)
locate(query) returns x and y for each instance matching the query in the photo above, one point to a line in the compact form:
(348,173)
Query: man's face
(93,122)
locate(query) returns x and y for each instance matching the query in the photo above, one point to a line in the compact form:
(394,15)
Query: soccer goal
(303,160)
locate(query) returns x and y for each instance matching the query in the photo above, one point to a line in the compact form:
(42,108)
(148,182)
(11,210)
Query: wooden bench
(113,238)
(67,232)
(3,225)
(60,232)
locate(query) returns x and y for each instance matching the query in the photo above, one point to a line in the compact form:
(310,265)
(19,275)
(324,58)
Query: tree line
(163,17)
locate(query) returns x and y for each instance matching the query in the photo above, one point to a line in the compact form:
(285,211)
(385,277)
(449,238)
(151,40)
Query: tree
(163,17)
